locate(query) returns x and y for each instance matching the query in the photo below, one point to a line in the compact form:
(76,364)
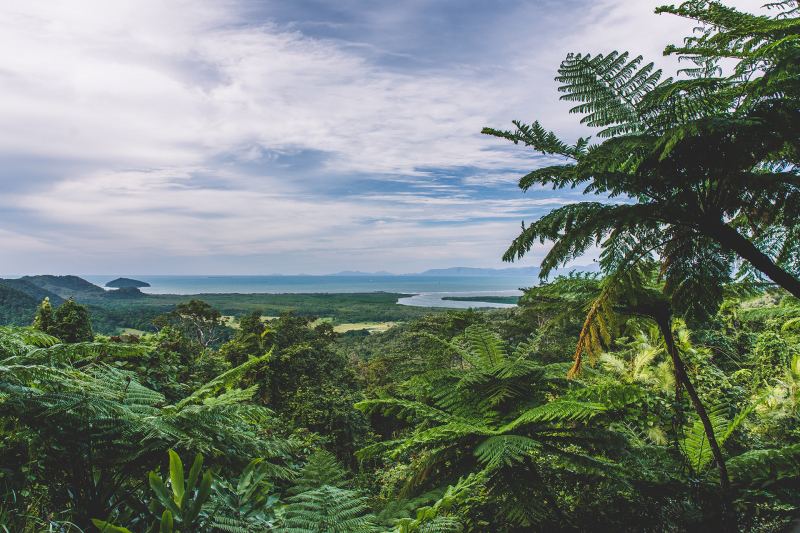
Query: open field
(372,327)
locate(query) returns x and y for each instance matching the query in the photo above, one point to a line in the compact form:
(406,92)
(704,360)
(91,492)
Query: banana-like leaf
(202,496)
(167,523)
(162,494)
(194,472)
(176,477)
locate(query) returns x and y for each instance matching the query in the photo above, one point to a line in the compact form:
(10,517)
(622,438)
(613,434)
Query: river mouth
(434,299)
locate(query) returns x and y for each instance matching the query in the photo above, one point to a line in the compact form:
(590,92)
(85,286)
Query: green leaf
(176,477)
(162,494)
(194,472)
(105,527)
(166,522)
(202,496)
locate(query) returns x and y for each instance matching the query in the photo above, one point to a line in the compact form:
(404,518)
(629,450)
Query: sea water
(427,290)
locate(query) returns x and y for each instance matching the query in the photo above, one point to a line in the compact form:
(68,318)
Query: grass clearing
(372,327)
(131,331)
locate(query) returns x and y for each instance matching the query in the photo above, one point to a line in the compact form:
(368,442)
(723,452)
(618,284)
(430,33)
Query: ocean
(427,289)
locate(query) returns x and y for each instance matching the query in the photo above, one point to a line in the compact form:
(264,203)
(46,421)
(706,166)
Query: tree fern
(723,146)
(328,510)
(117,426)
(609,87)
(486,345)
(496,414)
(695,446)
(505,450)
(762,468)
(493,377)
(322,468)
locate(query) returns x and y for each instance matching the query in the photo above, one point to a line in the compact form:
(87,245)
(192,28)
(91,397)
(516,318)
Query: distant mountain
(473,271)
(359,273)
(469,271)
(66,286)
(124,283)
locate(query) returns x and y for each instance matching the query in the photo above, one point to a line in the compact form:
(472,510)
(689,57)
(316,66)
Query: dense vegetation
(662,395)
(460,420)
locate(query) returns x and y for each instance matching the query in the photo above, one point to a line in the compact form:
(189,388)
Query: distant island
(473,271)
(126,283)
(359,273)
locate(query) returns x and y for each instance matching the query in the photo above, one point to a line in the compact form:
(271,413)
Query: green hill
(16,307)
(66,286)
(34,291)
(125,283)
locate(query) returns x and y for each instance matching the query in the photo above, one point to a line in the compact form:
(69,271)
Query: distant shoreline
(489,299)
(464,300)
(412,285)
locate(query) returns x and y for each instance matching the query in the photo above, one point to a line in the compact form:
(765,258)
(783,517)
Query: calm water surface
(427,290)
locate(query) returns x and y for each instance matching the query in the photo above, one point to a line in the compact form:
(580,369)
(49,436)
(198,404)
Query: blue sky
(250,137)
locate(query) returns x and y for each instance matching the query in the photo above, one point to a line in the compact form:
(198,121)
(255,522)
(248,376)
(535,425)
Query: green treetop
(71,322)
(43,321)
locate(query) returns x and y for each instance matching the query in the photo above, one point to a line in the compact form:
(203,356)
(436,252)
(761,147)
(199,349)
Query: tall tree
(72,323)
(43,321)
(704,167)
(634,292)
(197,319)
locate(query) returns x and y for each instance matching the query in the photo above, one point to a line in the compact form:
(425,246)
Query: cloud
(225,134)
(159,212)
(154,83)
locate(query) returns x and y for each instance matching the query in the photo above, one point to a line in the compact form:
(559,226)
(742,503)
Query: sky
(258,137)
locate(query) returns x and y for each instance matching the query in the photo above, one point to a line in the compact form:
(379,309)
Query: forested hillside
(661,394)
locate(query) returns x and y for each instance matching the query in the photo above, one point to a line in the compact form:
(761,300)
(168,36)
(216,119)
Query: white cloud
(160,83)
(156,212)
(168,105)
(14,242)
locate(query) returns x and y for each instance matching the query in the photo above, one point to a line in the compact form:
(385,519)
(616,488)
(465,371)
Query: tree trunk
(728,518)
(731,239)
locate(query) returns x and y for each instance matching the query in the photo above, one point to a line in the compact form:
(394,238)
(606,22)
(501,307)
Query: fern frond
(540,139)
(403,409)
(322,468)
(609,87)
(761,468)
(328,510)
(556,411)
(489,348)
(226,380)
(695,445)
(505,450)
